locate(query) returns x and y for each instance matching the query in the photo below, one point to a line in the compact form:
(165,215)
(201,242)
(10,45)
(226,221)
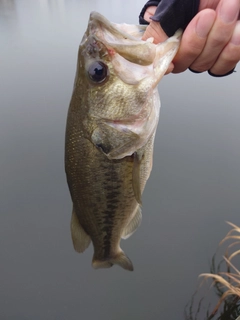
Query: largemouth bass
(111,124)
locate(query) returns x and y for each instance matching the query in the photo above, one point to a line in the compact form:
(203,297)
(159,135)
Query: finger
(154,30)
(170,68)
(211,4)
(194,39)
(219,36)
(149,13)
(230,55)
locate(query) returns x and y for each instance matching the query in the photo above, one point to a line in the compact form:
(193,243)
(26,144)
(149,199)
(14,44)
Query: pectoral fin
(116,142)
(80,238)
(133,224)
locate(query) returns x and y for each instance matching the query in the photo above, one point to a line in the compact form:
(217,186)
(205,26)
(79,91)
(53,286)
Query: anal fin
(133,224)
(80,238)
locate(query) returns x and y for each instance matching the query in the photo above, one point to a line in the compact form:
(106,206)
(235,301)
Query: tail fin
(120,258)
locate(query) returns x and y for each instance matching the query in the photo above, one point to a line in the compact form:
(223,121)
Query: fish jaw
(128,52)
(142,122)
(129,98)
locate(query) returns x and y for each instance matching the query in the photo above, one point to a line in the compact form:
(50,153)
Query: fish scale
(111,125)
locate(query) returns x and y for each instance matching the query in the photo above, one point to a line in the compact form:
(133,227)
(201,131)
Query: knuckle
(220,38)
(230,54)
(219,41)
(195,48)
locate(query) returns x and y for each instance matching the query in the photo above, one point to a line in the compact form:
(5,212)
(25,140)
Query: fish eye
(98,71)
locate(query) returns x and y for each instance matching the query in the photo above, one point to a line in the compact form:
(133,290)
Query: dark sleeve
(172,14)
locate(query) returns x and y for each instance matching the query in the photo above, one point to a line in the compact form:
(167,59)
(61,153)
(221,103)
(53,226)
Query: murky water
(193,189)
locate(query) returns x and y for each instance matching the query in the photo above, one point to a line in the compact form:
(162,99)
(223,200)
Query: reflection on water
(193,189)
(7,8)
(8,16)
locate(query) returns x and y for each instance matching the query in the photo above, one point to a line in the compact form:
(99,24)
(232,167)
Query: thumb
(155,31)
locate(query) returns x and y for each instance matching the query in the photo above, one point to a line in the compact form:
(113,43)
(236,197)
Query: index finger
(194,39)
(219,36)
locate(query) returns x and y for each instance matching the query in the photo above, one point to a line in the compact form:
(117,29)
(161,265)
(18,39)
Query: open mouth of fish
(123,41)
(136,62)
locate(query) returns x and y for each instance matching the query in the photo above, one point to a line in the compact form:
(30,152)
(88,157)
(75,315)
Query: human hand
(154,28)
(155,31)
(211,40)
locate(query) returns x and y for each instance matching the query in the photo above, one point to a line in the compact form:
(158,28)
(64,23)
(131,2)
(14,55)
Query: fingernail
(204,23)
(229,10)
(236,35)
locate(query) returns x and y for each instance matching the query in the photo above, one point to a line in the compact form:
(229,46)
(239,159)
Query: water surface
(193,189)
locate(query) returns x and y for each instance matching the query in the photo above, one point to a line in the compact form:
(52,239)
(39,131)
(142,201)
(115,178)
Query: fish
(110,130)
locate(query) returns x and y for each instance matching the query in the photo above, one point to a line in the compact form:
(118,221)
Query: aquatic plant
(228,281)
(226,285)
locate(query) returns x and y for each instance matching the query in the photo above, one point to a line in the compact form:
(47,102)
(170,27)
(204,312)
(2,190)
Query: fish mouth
(131,58)
(124,39)
(113,30)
